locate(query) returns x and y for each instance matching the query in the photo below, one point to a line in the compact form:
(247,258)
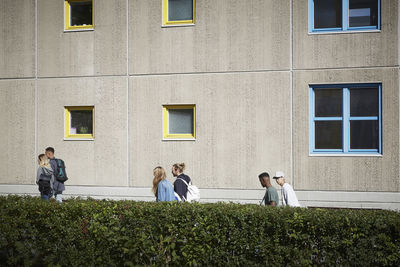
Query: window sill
(343,32)
(79,30)
(346,155)
(78,139)
(177,25)
(179,139)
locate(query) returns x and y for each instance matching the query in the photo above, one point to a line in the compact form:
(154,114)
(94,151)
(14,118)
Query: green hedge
(127,233)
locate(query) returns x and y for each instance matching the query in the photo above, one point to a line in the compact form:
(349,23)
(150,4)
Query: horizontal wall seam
(218,189)
(349,201)
(200,73)
(220,198)
(17,79)
(348,68)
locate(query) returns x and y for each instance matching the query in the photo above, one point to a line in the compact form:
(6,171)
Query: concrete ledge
(338,199)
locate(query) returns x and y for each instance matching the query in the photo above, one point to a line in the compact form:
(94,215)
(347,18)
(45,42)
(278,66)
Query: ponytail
(180,166)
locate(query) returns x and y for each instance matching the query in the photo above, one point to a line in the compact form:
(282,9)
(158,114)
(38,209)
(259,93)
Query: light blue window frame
(345,19)
(346,118)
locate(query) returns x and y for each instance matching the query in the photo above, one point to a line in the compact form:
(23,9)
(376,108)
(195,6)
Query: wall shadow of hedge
(128,233)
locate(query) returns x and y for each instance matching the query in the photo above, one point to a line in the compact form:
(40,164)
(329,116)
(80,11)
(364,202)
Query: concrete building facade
(248,67)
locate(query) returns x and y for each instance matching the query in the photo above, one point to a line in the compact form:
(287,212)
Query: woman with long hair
(162,188)
(45,177)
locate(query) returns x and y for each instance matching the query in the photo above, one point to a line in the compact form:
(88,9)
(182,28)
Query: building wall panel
(228,35)
(17,38)
(17,132)
(243,127)
(82,53)
(339,50)
(348,173)
(102,161)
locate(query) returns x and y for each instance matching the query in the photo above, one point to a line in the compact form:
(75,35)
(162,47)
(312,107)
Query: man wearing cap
(271,195)
(288,196)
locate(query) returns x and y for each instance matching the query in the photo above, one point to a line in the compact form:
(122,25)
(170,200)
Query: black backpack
(60,174)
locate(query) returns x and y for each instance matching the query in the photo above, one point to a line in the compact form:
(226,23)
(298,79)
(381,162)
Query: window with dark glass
(364,114)
(327,14)
(81,13)
(177,12)
(363,13)
(344,15)
(345,118)
(79,122)
(78,14)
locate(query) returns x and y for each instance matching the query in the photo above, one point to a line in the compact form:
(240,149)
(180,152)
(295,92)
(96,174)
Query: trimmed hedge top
(127,233)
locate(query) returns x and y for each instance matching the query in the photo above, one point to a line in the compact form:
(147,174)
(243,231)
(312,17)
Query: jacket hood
(47,171)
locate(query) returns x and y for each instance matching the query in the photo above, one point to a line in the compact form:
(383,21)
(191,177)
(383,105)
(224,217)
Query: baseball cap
(279,174)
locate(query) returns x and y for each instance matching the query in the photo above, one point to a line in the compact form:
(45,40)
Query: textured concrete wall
(17,132)
(336,50)
(17,38)
(99,162)
(229,35)
(347,173)
(243,127)
(243,116)
(98,52)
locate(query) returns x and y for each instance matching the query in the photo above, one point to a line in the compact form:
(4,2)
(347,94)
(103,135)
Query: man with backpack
(58,167)
(184,190)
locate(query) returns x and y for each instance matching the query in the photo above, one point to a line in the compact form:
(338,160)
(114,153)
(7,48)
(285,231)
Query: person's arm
(292,198)
(52,182)
(160,192)
(39,172)
(270,199)
(284,196)
(180,189)
(53,165)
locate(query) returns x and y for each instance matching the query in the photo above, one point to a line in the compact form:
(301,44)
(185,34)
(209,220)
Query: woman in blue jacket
(162,188)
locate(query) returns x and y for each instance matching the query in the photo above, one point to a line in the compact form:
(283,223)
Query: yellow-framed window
(78,14)
(177,12)
(79,122)
(179,121)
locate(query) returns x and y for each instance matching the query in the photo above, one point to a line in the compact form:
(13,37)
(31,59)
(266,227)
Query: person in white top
(288,196)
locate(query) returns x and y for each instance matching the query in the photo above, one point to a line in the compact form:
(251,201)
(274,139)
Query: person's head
(280,178)
(43,160)
(178,168)
(159,175)
(264,179)
(50,152)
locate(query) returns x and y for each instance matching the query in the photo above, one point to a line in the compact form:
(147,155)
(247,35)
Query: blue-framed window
(343,15)
(346,119)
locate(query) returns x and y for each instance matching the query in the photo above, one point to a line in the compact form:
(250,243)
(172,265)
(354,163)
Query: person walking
(271,194)
(58,186)
(289,197)
(180,187)
(162,188)
(45,177)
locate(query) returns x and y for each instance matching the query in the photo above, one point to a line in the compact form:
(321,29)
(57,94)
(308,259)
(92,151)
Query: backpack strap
(185,181)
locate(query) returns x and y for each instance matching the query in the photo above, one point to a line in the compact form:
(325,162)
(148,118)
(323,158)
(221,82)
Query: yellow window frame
(166,134)
(67,123)
(67,16)
(167,22)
